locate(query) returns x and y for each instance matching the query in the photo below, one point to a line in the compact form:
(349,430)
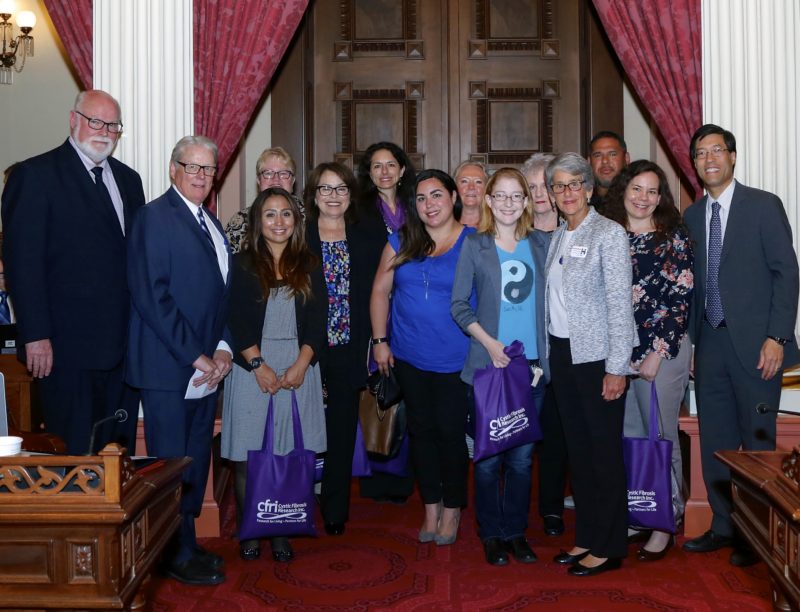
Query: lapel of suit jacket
(188,219)
(88,188)
(487,251)
(123,193)
(736,221)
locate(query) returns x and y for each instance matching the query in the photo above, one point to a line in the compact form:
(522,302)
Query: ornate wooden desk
(766,498)
(83,532)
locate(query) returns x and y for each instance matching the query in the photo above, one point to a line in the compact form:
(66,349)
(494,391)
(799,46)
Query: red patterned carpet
(378,565)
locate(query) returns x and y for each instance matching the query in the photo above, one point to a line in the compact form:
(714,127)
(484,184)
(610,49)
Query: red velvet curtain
(237,47)
(73,22)
(659,45)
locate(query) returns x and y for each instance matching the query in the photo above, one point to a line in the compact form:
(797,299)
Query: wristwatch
(781,341)
(256,362)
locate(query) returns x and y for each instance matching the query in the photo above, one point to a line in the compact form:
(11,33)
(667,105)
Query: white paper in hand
(193,392)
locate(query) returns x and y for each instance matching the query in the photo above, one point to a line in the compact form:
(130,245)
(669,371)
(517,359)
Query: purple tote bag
(361,462)
(279,495)
(505,411)
(648,466)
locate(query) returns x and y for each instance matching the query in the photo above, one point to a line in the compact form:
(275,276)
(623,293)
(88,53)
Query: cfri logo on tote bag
(642,501)
(508,425)
(273,510)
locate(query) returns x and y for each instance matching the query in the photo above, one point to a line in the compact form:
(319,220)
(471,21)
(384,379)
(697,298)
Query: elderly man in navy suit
(66,214)
(179,282)
(742,321)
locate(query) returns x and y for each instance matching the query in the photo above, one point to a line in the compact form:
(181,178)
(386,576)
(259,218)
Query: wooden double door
(448,80)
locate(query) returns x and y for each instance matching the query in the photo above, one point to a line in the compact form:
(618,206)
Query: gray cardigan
(479,266)
(597,293)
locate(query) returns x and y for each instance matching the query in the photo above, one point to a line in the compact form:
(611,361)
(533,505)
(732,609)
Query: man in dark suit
(66,214)
(179,284)
(742,321)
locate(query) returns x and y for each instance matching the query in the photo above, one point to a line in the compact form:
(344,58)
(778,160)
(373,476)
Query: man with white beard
(65,217)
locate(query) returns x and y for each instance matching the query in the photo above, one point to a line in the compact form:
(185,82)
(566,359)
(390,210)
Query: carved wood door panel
(493,80)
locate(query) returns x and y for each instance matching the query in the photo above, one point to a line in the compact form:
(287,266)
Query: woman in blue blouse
(428,349)
(641,201)
(349,252)
(505,263)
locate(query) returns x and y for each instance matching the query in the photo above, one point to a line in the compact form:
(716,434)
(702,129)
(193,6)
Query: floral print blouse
(336,268)
(662,291)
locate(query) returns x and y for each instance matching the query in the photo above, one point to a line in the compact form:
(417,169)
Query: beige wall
(34,110)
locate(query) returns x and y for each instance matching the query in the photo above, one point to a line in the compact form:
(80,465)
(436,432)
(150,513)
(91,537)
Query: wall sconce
(11,45)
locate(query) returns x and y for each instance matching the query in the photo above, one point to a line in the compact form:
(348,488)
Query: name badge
(578,251)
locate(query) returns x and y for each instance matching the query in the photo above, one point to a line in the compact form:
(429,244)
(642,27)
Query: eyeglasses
(501,197)
(283,175)
(195,168)
(701,154)
(114,127)
(327,190)
(561,187)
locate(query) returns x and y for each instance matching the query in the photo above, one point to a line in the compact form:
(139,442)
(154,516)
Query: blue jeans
(503,487)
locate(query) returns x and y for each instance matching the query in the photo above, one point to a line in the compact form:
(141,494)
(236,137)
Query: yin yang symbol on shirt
(517,281)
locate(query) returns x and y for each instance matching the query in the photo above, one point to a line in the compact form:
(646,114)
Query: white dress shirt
(108,180)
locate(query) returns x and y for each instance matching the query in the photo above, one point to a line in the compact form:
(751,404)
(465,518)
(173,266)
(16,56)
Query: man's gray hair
(189,141)
(536,162)
(573,164)
(98,92)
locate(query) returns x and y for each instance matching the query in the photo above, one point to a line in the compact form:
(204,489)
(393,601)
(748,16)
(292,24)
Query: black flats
(564,558)
(281,550)
(553,525)
(334,529)
(249,550)
(607,565)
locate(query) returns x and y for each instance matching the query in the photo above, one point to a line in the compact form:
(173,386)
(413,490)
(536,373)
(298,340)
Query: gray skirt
(244,411)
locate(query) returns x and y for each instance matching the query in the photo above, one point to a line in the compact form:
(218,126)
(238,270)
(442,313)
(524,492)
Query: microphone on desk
(763,408)
(120,416)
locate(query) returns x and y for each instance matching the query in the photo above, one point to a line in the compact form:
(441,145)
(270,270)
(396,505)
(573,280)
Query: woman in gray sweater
(591,332)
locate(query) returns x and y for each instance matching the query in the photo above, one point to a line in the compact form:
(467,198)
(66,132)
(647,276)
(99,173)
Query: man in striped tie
(742,321)
(178,268)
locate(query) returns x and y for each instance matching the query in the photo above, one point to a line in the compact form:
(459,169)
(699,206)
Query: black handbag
(385,388)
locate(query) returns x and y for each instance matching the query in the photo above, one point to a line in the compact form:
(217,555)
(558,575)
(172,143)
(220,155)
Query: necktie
(206,231)
(5,311)
(714,312)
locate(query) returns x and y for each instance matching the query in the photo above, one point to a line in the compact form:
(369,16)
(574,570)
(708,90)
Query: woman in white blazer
(591,332)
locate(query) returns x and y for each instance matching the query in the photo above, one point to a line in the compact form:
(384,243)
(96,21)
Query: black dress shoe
(195,572)
(639,536)
(495,551)
(553,525)
(521,550)
(281,550)
(249,550)
(743,556)
(334,529)
(707,542)
(208,558)
(564,558)
(605,566)
(647,555)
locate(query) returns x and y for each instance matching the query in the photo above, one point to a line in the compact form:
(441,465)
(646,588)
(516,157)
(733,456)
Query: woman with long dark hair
(386,181)
(426,348)
(641,201)
(277,321)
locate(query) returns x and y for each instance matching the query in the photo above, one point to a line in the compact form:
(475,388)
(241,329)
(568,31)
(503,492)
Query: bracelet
(379,340)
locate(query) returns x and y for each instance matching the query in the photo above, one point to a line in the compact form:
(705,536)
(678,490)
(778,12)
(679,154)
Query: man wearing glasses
(274,168)
(66,215)
(741,323)
(179,351)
